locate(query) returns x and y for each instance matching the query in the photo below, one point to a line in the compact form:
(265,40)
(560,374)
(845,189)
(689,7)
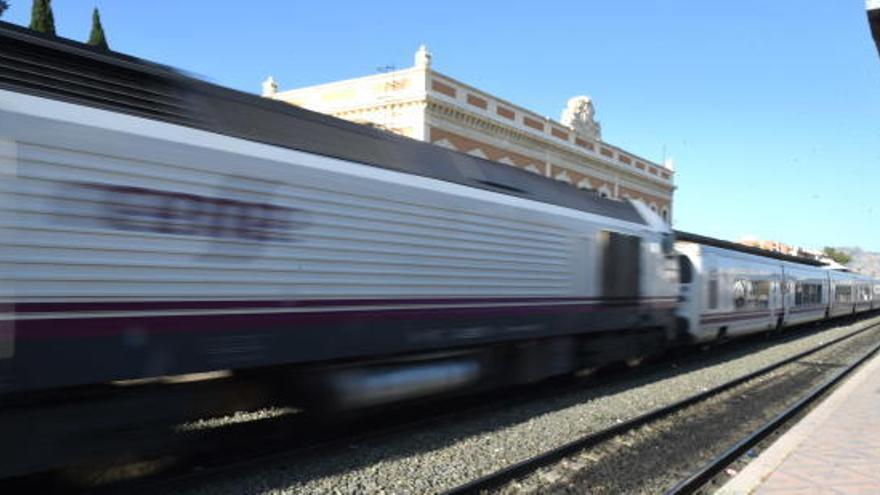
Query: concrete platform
(834,449)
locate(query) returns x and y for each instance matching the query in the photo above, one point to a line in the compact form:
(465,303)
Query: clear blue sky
(771,109)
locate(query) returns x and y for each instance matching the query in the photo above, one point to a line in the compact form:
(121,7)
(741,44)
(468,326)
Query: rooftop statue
(579,115)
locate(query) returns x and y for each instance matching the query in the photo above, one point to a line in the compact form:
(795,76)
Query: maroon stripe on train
(734,318)
(765,312)
(48,307)
(807,310)
(72,325)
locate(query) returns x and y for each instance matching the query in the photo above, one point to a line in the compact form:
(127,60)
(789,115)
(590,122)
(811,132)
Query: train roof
(66,70)
(735,246)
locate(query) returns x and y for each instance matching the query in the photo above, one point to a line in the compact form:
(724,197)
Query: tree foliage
(3,6)
(837,255)
(97,37)
(42,19)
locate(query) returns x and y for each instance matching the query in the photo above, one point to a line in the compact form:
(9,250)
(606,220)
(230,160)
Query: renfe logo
(151,210)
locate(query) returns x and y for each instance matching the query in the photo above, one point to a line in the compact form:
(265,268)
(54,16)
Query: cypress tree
(96,37)
(42,19)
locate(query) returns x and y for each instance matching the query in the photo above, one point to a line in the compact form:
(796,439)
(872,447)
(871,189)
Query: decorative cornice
(459,115)
(548,125)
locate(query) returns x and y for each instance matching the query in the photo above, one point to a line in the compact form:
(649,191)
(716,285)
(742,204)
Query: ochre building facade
(424,104)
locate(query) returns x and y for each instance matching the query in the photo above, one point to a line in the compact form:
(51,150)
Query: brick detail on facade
(443,88)
(534,124)
(477,101)
(559,133)
(576,177)
(465,144)
(505,112)
(583,143)
(648,199)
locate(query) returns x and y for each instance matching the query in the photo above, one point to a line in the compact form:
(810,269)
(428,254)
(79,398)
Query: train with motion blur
(152,224)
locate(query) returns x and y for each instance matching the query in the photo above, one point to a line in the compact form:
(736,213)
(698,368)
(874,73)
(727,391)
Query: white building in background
(424,104)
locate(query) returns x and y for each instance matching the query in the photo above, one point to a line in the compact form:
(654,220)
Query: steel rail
(705,474)
(527,466)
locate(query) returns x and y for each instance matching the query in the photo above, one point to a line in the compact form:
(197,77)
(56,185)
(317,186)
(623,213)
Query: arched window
(445,143)
(563,176)
(477,152)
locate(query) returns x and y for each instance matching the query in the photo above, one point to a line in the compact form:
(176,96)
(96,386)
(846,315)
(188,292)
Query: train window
(685,270)
(751,293)
(622,259)
(741,290)
(760,294)
(843,294)
(808,294)
(667,242)
(713,292)
(864,293)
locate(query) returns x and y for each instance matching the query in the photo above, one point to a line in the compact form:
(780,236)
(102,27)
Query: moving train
(153,224)
(730,289)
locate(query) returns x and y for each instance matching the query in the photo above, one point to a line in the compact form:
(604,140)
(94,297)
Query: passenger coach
(729,289)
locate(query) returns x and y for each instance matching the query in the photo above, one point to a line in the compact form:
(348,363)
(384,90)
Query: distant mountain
(866,262)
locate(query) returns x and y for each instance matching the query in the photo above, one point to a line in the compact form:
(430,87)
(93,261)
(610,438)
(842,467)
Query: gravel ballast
(654,458)
(442,456)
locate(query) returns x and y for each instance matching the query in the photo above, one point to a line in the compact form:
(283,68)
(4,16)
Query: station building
(421,103)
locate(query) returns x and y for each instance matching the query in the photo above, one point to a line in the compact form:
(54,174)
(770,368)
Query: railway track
(693,481)
(291,439)
(698,479)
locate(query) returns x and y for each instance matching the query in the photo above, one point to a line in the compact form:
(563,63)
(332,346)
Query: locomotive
(154,224)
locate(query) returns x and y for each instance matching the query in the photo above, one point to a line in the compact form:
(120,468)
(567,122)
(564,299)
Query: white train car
(730,289)
(875,296)
(864,293)
(729,292)
(807,294)
(155,225)
(845,292)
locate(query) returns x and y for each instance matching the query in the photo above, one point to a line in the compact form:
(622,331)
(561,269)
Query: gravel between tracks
(653,458)
(442,456)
